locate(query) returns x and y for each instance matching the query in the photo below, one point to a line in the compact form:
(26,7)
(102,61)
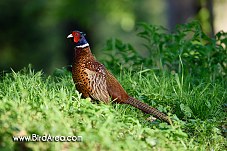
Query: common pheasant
(93,80)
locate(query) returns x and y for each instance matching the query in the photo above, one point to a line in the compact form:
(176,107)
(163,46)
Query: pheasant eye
(75,34)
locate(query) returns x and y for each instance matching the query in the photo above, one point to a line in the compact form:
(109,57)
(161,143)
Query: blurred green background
(34,31)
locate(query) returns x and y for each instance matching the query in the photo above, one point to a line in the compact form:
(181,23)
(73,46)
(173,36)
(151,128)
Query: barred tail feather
(148,109)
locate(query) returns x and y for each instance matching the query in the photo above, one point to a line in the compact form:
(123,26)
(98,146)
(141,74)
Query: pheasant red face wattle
(76,36)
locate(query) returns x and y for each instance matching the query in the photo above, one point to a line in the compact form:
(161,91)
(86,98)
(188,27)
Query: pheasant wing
(97,82)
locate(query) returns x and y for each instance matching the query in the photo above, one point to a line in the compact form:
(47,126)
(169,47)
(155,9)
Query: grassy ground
(31,103)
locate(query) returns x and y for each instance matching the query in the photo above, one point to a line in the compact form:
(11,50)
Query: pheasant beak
(70,36)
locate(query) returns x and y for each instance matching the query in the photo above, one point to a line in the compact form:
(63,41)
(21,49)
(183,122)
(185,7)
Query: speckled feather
(93,80)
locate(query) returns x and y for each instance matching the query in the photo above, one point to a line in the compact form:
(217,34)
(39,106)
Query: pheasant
(93,80)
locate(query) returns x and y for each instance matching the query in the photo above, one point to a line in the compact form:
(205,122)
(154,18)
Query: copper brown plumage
(93,80)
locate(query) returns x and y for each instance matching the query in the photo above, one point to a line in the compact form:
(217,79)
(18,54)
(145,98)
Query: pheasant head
(78,39)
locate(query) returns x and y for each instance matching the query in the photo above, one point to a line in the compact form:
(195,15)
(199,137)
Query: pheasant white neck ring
(83,46)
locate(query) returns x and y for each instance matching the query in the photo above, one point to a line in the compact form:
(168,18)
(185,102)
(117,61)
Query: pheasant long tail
(148,109)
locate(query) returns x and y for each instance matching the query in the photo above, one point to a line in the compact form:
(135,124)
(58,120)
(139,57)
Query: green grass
(31,102)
